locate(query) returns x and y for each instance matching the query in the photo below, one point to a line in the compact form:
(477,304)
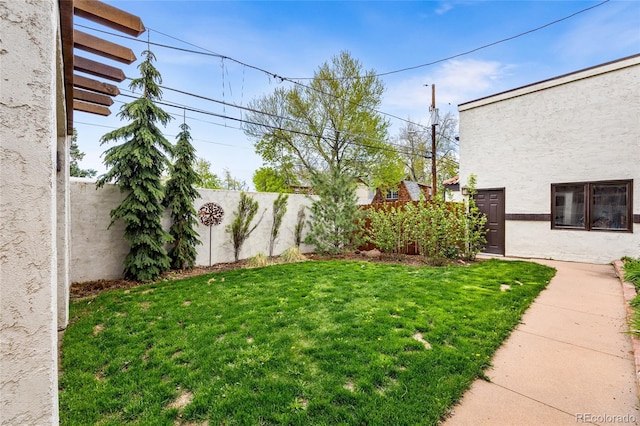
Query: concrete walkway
(569,362)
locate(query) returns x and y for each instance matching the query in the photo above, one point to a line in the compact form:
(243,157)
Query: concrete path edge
(629,291)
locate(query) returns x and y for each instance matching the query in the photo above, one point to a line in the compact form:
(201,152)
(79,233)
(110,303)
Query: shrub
(476,236)
(632,271)
(292,255)
(300,222)
(258,261)
(241,228)
(279,209)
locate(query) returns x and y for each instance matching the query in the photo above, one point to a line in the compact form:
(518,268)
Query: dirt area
(92,288)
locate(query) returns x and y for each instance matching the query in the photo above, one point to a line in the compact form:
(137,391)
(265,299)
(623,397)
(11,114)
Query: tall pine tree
(136,167)
(335,214)
(179,196)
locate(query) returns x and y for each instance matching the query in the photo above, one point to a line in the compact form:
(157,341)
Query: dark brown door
(491,203)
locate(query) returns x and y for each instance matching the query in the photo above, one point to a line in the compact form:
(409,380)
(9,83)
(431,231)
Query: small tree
(300,222)
(476,220)
(180,194)
(335,215)
(279,209)
(136,166)
(241,228)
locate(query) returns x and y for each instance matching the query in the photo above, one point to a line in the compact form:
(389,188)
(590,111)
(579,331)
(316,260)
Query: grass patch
(328,343)
(632,274)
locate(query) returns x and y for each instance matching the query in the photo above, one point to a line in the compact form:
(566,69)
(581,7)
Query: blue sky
(292,39)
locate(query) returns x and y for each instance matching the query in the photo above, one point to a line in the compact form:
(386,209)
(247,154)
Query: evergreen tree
(136,166)
(179,196)
(333,224)
(75,155)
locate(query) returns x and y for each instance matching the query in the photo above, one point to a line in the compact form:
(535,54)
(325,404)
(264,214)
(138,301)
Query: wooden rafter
(98,69)
(96,98)
(95,85)
(83,93)
(90,108)
(101,47)
(109,16)
(66,31)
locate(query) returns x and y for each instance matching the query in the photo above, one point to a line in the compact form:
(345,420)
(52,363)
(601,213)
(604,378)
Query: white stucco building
(38,93)
(558,164)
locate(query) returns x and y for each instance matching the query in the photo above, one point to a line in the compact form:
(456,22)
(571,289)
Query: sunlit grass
(308,343)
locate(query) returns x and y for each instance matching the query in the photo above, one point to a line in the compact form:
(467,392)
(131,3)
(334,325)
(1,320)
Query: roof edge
(559,80)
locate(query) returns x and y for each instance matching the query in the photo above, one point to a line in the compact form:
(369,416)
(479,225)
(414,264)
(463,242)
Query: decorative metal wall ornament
(211,214)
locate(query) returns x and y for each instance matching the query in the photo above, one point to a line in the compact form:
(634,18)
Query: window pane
(569,206)
(609,206)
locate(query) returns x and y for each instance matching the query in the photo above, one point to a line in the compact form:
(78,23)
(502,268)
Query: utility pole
(434,119)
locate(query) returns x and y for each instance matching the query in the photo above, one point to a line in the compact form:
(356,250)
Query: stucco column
(28,259)
(63,229)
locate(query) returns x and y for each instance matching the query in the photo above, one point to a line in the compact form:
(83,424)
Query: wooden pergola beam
(101,47)
(94,98)
(95,85)
(90,108)
(98,69)
(109,16)
(66,30)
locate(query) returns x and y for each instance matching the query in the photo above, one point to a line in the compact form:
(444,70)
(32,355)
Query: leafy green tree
(240,229)
(334,216)
(416,152)
(75,156)
(230,183)
(206,179)
(331,125)
(268,179)
(179,197)
(136,166)
(279,209)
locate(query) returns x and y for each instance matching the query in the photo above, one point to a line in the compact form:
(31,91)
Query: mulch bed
(93,288)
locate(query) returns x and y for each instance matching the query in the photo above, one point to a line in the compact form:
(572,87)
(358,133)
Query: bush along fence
(437,230)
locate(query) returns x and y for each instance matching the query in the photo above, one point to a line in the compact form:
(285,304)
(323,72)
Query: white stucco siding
(581,131)
(582,127)
(98,252)
(536,240)
(28,259)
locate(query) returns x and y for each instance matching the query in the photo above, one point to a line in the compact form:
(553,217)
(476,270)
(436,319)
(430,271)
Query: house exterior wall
(582,127)
(28,203)
(403,194)
(98,252)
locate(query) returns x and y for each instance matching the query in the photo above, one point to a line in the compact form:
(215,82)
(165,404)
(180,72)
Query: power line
(386,146)
(468,52)
(208,52)
(268,73)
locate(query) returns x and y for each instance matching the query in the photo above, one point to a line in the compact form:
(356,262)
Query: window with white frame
(592,206)
(392,194)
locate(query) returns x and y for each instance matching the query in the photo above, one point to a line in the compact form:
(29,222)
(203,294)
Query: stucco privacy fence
(98,252)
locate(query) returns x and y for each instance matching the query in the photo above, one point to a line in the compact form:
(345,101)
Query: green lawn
(312,343)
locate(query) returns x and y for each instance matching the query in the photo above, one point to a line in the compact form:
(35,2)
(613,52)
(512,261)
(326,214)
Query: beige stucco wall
(28,259)
(581,127)
(98,252)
